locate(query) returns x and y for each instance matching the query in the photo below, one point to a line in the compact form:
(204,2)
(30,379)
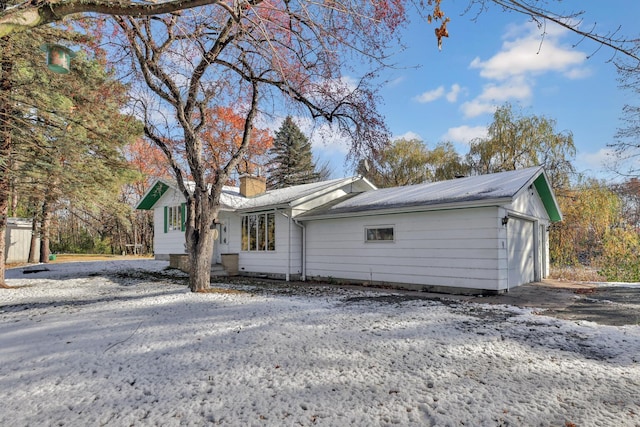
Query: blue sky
(501,57)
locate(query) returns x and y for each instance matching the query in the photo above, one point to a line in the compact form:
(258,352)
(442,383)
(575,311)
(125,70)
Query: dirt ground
(605,305)
(616,306)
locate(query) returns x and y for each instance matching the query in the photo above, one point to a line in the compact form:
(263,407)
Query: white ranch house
(485,233)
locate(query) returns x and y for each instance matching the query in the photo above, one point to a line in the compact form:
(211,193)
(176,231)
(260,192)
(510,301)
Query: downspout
(303,251)
(288,276)
(303,260)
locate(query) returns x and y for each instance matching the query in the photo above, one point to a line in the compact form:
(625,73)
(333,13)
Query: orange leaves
(147,159)
(223,136)
(442,32)
(438,15)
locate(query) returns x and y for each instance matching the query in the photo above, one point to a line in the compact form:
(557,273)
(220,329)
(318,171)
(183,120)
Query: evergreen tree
(291,158)
(63,134)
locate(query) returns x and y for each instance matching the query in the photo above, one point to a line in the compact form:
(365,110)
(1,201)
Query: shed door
(520,241)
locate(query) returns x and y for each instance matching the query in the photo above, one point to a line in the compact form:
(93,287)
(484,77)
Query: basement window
(383,233)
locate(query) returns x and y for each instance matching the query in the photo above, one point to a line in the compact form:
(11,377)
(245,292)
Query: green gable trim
(542,186)
(153,196)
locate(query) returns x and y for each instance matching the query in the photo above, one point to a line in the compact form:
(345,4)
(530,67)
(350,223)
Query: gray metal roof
(482,188)
(231,199)
(284,196)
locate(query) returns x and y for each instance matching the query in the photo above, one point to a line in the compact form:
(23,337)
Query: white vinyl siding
(529,203)
(169,242)
(457,248)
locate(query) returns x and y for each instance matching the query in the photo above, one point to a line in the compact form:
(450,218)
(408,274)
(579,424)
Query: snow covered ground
(124,343)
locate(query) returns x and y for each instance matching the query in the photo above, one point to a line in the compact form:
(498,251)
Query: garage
(520,241)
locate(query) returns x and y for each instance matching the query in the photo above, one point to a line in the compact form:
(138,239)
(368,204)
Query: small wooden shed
(18,240)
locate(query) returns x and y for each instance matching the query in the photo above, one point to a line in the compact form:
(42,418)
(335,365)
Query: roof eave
(411,209)
(541,183)
(272,207)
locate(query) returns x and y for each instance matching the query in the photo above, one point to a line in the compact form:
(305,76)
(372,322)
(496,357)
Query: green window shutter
(166,220)
(183,216)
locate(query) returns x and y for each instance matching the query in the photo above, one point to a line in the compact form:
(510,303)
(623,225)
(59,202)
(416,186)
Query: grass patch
(578,273)
(95,257)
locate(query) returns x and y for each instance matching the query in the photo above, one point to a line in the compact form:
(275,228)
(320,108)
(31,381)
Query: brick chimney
(252,185)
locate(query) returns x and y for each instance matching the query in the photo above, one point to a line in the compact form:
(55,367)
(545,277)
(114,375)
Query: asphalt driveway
(606,305)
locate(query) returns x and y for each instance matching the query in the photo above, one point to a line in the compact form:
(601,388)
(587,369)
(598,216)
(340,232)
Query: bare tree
(249,55)
(29,14)
(626,147)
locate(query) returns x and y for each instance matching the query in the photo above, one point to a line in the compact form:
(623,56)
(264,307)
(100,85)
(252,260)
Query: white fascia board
(265,208)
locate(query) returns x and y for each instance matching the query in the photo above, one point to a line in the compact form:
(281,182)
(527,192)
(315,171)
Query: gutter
(410,209)
(303,257)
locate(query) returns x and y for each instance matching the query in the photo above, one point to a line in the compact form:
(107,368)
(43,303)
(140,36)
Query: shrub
(621,255)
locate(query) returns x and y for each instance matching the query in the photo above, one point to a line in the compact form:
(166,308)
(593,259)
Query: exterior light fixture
(58,57)
(505,220)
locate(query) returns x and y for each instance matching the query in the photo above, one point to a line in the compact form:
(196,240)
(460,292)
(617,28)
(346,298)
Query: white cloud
(577,73)
(407,136)
(596,160)
(323,136)
(531,54)
(452,95)
(477,107)
(396,82)
(430,96)
(464,134)
(515,88)
(524,56)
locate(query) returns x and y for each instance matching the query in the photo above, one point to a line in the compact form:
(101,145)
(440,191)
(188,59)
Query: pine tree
(291,158)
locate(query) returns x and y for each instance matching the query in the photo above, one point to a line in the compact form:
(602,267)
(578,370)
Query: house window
(174,217)
(259,232)
(379,234)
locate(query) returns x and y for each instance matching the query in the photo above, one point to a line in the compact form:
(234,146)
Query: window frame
(368,228)
(174,218)
(257,232)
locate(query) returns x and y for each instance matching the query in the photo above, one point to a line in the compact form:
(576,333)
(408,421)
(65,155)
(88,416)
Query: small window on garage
(379,233)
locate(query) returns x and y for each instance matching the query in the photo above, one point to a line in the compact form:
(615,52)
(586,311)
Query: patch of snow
(616,284)
(125,343)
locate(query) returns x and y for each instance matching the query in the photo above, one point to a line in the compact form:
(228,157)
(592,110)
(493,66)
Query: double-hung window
(174,218)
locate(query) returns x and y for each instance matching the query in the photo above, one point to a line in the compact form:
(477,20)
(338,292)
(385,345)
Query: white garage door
(521,250)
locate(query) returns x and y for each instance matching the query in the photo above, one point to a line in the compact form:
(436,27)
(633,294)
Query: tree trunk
(45,229)
(199,237)
(6,68)
(34,240)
